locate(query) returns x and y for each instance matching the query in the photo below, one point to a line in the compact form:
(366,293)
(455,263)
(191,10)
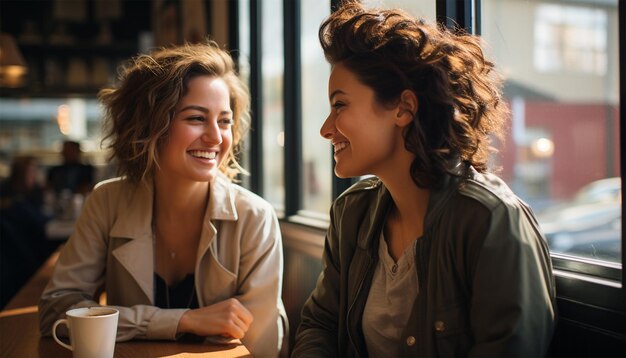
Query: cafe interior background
(562,155)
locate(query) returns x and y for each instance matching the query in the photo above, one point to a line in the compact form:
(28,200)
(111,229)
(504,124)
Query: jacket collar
(222,200)
(455,170)
(373,222)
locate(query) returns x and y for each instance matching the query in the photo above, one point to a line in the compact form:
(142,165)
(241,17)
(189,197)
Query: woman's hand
(228,318)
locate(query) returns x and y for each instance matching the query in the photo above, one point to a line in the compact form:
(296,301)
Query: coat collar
(222,200)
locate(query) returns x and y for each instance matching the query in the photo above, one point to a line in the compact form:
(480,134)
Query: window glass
(316,151)
(570,39)
(422,9)
(562,83)
(243,64)
(273,113)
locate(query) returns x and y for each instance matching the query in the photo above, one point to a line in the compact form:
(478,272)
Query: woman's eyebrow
(203,109)
(335,92)
(197,108)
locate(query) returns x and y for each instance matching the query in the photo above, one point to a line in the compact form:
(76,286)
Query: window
(562,155)
(423,9)
(316,151)
(570,39)
(273,138)
(242,55)
(562,152)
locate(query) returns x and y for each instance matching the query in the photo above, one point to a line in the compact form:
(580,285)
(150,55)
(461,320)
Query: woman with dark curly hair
(180,250)
(434,255)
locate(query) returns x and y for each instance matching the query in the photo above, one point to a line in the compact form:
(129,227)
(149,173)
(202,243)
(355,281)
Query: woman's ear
(407,108)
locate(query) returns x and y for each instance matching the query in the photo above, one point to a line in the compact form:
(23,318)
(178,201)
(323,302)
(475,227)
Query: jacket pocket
(451,331)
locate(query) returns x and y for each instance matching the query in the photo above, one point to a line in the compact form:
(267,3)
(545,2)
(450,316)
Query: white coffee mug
(92,331)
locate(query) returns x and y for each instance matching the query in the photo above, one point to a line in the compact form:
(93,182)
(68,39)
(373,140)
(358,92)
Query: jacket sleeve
(260,283)
(512,302)
(80,272)
(318,330)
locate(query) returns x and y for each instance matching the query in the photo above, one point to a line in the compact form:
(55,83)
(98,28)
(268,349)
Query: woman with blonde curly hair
(434,255)
(181,251)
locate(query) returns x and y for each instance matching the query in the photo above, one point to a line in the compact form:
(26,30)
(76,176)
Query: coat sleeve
(80,272)
(260,282)
(512,302)
(318,330)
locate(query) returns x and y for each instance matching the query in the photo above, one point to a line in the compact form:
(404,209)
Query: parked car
(589,225)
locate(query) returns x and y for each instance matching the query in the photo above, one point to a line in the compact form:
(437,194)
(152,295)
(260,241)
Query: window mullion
(256,97)
(459,14)
(293,112)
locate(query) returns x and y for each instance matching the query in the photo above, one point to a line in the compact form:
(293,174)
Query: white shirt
(391,297)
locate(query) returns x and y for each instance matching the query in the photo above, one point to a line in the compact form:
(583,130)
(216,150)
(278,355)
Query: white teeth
(339,146)
(203,154)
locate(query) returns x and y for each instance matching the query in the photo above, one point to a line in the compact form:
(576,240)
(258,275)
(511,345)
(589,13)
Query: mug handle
(54,333)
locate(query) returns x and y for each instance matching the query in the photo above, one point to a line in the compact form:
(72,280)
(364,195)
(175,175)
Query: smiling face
(363,132)
(200,135)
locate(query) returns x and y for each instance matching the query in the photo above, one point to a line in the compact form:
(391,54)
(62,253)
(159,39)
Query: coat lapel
(134,223)
(136,257)
(221,207)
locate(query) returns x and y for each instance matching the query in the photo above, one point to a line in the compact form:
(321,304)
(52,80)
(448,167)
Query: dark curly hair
(458,90)
(139,111)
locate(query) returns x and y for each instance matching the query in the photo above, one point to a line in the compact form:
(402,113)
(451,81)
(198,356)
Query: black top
(180,295)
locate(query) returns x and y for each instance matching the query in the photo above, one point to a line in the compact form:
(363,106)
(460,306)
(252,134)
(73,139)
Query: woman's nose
(212,133)
(328,129)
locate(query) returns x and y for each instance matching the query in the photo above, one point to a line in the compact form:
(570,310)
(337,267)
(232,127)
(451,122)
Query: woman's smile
(338,147)
(202,154)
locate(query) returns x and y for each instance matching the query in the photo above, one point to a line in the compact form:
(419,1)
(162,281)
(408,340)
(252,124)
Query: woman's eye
(337,105)
(196,118)
(225,122)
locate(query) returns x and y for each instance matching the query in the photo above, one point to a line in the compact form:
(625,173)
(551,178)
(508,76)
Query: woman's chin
(344,174)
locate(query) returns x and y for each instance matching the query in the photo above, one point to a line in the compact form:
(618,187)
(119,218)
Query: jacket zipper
(356,296)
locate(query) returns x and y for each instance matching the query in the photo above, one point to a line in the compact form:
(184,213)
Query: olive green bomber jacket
(485,278)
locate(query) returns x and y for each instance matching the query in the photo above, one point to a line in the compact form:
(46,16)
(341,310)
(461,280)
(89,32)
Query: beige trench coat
(240,255)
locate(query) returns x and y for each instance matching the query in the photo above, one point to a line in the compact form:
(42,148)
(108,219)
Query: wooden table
(19,331)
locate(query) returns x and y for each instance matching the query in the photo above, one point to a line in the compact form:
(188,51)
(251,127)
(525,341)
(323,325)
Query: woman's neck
(174,200)
(405,222)
(410,201)
(179,209)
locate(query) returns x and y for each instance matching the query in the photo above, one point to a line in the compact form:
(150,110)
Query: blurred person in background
(22,226)
(434,256)
(182,251)
(22,185)
(72,174)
